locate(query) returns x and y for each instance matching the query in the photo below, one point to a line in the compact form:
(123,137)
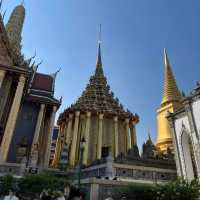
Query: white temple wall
(196,113)
(196,133)
(184,137)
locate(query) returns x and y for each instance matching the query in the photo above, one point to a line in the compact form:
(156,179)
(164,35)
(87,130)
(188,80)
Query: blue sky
(134,33)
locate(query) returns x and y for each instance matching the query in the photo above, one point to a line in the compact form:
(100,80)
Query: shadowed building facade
(27,103)
(98,117)
(171,101)
(185,127)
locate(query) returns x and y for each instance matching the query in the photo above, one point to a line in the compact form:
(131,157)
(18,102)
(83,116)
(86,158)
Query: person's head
(76,198)
(11,192)
(61,193)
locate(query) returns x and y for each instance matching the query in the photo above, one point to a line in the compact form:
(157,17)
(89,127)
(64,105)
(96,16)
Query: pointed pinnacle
(170,90)
(166,59)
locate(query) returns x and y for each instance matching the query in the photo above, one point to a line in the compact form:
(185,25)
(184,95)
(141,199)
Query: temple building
(185,126)
(98,135)
(171,101)
(27,103)
(98,117)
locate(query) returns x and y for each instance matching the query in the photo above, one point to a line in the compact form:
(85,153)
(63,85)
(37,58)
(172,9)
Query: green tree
(32,185)
(179,190)
(176,190)
(135,192)
(7,183)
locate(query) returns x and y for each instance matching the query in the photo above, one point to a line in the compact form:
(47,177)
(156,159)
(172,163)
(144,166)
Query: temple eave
(121,116)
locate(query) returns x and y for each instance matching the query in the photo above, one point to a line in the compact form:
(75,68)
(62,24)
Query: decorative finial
(58,70)
(99,69)
(1,3)
(183,93)
(99,37)
(166,60)
(149,140)
(23,2)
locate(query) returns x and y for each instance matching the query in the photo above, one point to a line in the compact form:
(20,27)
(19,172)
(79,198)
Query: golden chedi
(171,101)
(100,119)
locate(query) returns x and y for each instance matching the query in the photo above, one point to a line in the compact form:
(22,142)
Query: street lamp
(81,150)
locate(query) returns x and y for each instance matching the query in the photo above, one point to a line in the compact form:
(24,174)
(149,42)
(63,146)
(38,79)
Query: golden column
(10,126)
(57,149)
(72,158)
(133,134)
(128,140)
(100,137)
(69,130)
(37,133)
(116,131)
(49,139)
(87,138)
(2,75)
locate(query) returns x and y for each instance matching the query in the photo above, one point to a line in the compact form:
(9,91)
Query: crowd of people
(46,195)
(62,195)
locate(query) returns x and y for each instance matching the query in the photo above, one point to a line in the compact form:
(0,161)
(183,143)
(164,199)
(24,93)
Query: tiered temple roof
(39,87)
(98,98)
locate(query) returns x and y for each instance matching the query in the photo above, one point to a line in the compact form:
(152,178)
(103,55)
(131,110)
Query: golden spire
(14,27)
(170,90)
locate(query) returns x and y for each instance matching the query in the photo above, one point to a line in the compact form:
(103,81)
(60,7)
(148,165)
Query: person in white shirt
(11,196)
(61,196)
(109,198)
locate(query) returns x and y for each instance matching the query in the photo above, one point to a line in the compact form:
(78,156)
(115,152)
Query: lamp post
(81,150)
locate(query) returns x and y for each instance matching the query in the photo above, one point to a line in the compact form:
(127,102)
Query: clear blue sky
(134,33)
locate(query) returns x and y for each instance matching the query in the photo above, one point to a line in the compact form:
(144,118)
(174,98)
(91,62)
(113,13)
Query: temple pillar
(72,158)
(11,122)
(116,132)
(87,138)
(128,140)
(69,130)
(34,148)
(49,139)
(100,137)
(57,149)
(2,75)
(133,134)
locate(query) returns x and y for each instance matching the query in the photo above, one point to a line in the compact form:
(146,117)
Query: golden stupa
(171,101)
